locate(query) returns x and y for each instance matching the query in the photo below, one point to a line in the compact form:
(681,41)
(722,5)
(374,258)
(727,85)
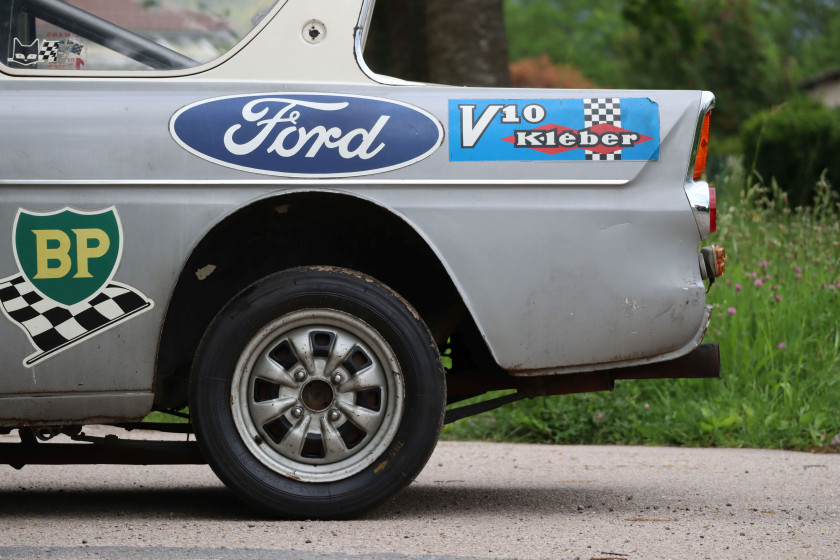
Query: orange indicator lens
(703,148)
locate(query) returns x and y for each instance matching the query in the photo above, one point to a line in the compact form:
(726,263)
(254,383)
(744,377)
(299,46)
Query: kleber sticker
(307,134)
(592,129)
(64,292)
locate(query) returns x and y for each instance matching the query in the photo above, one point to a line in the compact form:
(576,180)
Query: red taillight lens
(712,210)
(702,148)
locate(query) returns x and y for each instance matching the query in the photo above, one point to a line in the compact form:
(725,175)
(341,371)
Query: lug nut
(297,412)
(300,375)
(334,415)
(337,378)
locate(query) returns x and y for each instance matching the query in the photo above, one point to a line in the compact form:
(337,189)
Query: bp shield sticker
(68,256)
(64,292)
(592,129)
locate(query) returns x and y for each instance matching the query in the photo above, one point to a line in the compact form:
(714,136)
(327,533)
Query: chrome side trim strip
(319,182)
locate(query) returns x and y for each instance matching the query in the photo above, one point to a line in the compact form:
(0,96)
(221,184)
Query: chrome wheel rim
(317,395)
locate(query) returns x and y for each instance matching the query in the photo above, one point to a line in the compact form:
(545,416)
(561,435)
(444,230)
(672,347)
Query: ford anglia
(232,215)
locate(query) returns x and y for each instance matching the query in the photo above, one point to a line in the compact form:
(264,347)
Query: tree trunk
(466,42)
(458,42)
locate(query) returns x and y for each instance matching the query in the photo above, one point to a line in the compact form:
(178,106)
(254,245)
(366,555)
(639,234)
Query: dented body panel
(565,262)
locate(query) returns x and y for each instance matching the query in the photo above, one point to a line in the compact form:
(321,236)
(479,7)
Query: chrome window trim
(362,29)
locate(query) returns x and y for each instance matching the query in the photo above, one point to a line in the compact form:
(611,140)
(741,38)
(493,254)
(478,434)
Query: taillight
(712,210)
(702,148)
(700,195)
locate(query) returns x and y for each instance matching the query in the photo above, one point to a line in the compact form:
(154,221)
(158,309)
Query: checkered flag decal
(52,328)
(48,51)
(602,110)
(72,47)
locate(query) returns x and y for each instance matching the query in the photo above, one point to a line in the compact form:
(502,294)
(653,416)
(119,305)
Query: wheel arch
(301,229)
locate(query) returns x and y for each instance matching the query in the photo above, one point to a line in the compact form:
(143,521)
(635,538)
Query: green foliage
(794,144)
(777,320)
(804,36)
(664,26)
(579,33)
(714,45)
(751,54)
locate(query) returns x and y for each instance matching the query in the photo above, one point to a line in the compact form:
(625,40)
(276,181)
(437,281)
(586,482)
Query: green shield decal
(68,255)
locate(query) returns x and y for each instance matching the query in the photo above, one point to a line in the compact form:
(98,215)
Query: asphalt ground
(473,500)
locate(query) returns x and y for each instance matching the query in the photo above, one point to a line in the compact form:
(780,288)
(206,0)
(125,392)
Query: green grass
(156,416)
(777,319)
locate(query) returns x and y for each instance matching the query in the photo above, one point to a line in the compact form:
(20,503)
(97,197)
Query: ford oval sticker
(307,134)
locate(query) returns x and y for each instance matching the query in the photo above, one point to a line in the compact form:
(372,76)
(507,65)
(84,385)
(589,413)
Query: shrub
(794,143)
(542,73)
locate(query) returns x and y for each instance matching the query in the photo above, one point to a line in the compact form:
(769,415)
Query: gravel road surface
(473,500)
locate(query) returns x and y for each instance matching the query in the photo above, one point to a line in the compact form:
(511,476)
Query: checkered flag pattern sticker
(48,51)
(53,328)
(606,110)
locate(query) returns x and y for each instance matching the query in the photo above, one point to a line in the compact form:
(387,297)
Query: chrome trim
(296,181)
(700,201)
(704,270)
(365,15)
(697,192)
(361,38)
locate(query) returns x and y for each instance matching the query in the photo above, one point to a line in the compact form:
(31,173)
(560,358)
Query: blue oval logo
(307,134)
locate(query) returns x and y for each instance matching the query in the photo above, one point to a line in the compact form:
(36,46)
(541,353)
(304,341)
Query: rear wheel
(317,393)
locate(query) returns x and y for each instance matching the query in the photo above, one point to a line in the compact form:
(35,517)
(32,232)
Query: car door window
(122,34)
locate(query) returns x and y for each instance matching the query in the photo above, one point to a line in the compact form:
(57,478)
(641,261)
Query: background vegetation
(751,53)
(777,312)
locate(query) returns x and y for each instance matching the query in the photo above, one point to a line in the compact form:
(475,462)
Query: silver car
(232,213)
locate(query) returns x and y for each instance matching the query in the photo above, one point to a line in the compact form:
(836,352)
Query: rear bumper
(702,362)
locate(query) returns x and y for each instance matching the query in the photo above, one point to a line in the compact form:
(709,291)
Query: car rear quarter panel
(563,265)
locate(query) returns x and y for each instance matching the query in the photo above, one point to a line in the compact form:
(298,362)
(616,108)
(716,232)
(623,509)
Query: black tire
(287,434)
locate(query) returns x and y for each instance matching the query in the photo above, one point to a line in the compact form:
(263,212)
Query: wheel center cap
(317,395)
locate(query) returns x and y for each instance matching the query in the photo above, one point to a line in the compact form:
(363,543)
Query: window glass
(122,34)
